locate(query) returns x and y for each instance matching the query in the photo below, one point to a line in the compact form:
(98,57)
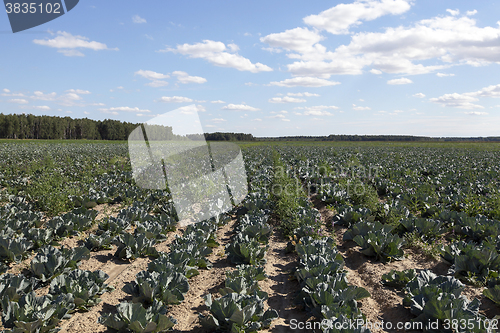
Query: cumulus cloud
(218,120)
(115,110)
(6,90)
(307,94)
(44,97)
(218,102)
(317,113)
(151,75)
(18,101)
(286,99)
(78,91)
(219,55)
(175,99)
(476,113)
(402,80)
(304,82)
(453,12)
(338,19)
(42,107)
(301,40)
(419,95)
(137,19)
(448,40)
(157,83)
(360,108)
(466,100)
(444,74)
(455,100)
(316,108)
(184,78)
(239,107)
(68,44)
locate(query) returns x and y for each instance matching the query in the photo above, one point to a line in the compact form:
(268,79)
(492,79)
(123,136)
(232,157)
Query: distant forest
(345,137)
(22,126)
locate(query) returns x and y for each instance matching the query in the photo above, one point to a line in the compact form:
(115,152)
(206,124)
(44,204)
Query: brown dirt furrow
(281,286)
(208,281)
(120,272)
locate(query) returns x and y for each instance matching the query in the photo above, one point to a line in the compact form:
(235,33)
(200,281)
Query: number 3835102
(33,8)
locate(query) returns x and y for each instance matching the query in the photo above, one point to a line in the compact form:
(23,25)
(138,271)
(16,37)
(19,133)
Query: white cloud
(317,107)
(338,19)
(448,40)
(284,119)
(257,119)
(375,71)
(239,107)
(184,78)
(402,80)
(419,95)
(209,126)
(85,112)
(304,82)
(8,93)
(68,44)
(69,99)
(286,99)
(307,94)
(301,40)
(360,108)
(218,102)
(175,99)
(18,101)
(123,109)
(151,75)
(157,83)
(465,100)
(155,77)
(476,113)
(455,100)
(44,97)
(453,12)
(317,113)
(218,120)
(217,54)
(444,74)
(471,12)
(138,19)
(42,107)
(78,91)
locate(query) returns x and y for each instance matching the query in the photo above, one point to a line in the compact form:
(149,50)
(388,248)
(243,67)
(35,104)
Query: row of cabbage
(242,305)
(325,291)
(425,196)
(71,289)
(438,303)
(165,282)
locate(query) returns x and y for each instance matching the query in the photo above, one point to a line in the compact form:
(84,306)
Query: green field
(394,230)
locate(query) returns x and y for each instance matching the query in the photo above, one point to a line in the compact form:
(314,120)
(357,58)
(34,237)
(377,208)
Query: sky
(270,68)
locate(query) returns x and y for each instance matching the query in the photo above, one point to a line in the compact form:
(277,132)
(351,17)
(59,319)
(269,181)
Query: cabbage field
(331,238)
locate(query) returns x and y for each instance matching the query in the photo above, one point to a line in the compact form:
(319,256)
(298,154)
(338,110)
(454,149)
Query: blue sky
(270,68)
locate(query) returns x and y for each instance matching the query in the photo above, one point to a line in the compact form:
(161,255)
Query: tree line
(406,138)
(28,126)
(22,126)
